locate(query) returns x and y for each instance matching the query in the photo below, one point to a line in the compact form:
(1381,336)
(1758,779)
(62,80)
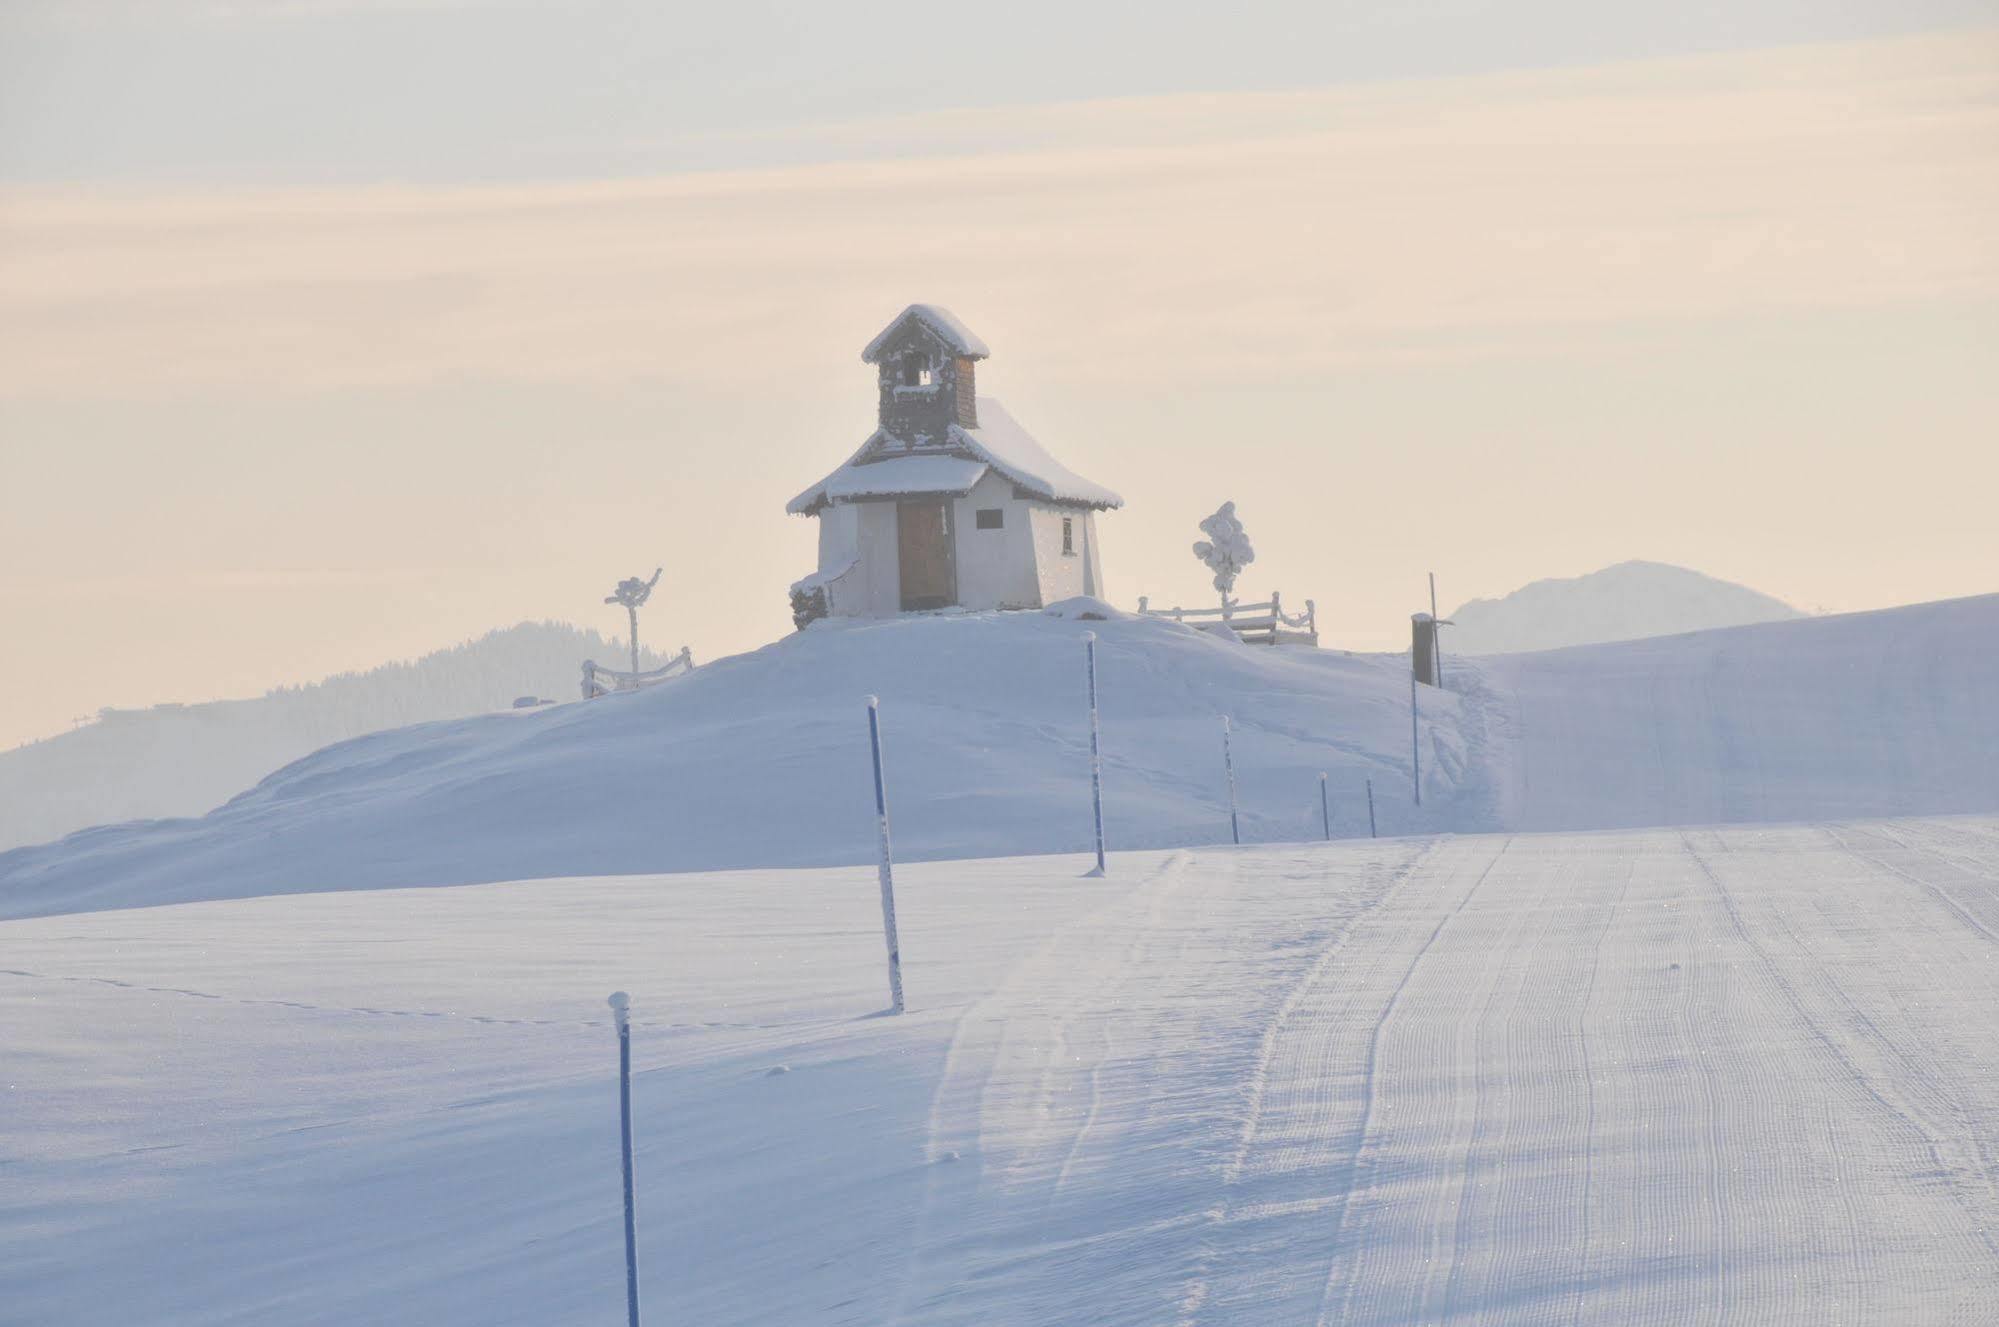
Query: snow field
(1663,1076)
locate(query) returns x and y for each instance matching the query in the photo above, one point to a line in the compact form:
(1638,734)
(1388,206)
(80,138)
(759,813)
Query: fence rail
(1257,624)
(601,681)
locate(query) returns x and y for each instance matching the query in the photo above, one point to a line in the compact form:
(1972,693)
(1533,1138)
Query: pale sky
(332,333)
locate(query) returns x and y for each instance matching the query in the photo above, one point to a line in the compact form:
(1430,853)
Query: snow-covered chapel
(949,503)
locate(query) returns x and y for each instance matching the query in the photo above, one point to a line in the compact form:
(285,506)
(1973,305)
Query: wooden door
(925,551)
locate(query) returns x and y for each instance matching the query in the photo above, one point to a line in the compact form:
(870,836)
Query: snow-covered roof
(868,473)
(957,337)
(904,474)
(999,442)
(1012,451)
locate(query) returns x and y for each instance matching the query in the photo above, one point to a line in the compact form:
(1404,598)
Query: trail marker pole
(1228,765)
(886,869)
(621,1014)
(1370,810)
(1096,752)
(1415,750)
(1325,808)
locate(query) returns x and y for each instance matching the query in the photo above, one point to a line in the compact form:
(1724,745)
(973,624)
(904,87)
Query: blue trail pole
(1415,751)
(1370,810)
(1096,752)
(1325,807)
(621,1012)
(1228,765)
(886,868)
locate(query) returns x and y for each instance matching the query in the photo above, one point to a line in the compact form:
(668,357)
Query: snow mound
(1087,608)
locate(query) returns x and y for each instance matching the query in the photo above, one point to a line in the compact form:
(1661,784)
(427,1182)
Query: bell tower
(924,365)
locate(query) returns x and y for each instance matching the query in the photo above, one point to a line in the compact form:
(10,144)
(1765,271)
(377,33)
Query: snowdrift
(761,760)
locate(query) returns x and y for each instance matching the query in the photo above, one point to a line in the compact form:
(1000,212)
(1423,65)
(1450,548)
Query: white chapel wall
(995,567)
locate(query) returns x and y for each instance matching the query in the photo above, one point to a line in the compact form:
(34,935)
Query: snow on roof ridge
(941,321)
(1013,451)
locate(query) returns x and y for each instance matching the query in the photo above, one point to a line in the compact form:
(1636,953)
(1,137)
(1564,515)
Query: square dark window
(991,518)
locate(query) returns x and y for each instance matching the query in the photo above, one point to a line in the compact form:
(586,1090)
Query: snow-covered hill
(1629,601)
(1638,1079)
(761,759)
(183,760)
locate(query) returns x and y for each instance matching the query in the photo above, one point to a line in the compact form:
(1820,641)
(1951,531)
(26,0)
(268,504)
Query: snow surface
(761,759)
(1629,601)
(1653,1077)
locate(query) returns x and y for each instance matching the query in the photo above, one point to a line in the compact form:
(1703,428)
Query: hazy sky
(335,332)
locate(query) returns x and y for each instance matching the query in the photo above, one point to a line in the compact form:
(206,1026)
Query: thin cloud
(1256,235)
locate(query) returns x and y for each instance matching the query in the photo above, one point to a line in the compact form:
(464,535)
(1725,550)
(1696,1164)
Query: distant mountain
(184,760)
(1629,601)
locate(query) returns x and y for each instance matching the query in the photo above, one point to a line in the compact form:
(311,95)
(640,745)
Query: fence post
(1370,810)
(1228,766)
(885,870)
(589,680)
(1325,807)
(1415,749)
(1096,751)
(621,1014)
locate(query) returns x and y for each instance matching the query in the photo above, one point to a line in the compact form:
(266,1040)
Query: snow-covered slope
(183,760)
(1629,601)
(761,759)
(1642,1079)
(1887,713)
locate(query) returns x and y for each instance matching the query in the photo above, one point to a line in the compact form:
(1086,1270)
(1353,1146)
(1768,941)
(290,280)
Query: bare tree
(633,593)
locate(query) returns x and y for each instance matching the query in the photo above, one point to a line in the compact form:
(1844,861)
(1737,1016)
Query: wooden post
(1437,643)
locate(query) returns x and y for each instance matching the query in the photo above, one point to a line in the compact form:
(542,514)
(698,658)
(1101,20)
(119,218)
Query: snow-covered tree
(632,593)
(1226,550)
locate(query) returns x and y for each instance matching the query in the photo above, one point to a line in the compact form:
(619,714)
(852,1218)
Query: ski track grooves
(1879,1089)
(1350,1171)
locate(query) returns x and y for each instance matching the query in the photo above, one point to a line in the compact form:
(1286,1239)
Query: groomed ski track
(1744,1075)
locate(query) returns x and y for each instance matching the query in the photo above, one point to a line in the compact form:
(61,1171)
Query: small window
(1069,536)
(991,518)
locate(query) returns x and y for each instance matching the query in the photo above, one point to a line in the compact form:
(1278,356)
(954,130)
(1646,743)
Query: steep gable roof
(940,322)
(1010,449)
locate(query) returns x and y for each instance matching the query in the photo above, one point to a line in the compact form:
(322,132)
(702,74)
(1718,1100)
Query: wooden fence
(1257,624)
(601,681)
